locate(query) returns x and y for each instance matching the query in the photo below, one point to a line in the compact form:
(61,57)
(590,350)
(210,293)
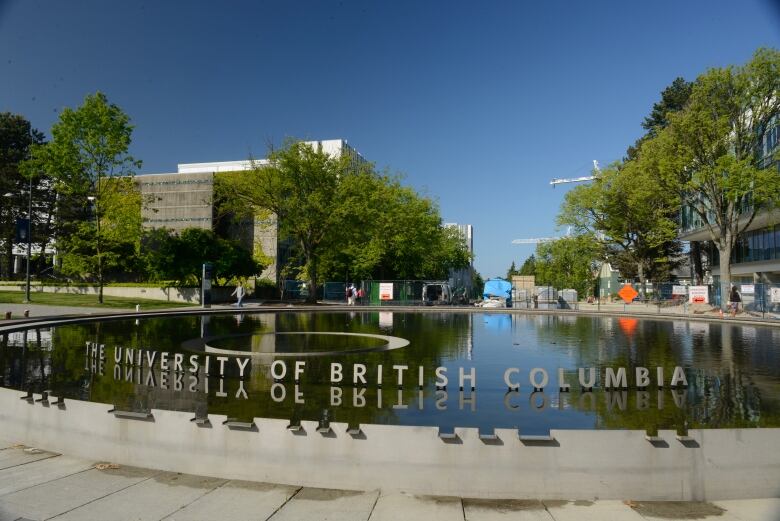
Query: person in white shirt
(239,292)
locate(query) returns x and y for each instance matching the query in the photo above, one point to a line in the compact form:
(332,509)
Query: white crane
(536,240)
(560,181)
(541,239)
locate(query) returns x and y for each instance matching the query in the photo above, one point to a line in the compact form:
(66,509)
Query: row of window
(758,245)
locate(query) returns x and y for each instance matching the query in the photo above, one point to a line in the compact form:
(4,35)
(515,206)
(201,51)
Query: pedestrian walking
(734,300)
(239,292)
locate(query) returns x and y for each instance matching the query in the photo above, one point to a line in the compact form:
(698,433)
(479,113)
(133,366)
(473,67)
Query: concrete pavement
(38,485)
(41,310)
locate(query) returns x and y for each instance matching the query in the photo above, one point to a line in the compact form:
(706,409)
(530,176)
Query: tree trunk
(696,262)
(724,252)
(9,257)
(312,297)
(640,269)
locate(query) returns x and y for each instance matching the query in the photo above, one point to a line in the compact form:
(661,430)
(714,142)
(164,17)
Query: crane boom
(560,181)
(534,241)
(596,172)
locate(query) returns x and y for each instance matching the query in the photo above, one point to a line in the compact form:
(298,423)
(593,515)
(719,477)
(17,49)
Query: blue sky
(478,104)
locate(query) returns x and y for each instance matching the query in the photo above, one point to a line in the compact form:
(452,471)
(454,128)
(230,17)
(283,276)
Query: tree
(511,271)
(569,262)
(477,283)
(180,257)
(89,147)
(307,189)
(394,233)
(711,152)
(344,219)
(529,266)
(17,137)
(673,99)
(120,228)
(635,221)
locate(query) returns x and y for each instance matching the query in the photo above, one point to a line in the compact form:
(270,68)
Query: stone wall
(574,464)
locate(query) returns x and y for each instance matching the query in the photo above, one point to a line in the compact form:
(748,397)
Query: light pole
(94,201)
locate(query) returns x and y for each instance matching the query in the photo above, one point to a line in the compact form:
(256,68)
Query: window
(770,139)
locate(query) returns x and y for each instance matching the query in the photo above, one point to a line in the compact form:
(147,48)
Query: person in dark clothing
(734,300)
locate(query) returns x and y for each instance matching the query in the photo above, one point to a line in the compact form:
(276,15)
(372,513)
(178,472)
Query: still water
(298,366)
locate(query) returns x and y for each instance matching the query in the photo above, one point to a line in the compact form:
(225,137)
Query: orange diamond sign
(627,293)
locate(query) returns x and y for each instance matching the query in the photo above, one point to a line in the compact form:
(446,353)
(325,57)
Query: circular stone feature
(296,343)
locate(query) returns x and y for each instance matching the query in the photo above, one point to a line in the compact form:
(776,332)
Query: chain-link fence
(754,300)
(397,293)
(295,290)
(739,299)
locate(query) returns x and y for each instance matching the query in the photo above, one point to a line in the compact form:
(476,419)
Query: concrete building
(462,278)
(185,199)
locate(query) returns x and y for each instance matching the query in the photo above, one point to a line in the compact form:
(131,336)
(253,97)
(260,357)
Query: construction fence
(757,300)
(393,293)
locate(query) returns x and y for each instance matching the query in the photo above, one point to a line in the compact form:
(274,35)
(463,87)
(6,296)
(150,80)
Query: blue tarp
(498,288)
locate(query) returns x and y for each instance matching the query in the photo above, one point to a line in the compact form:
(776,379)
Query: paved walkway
(37,485)
(43,310)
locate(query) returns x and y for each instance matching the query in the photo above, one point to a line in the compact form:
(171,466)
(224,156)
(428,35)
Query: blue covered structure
(498,287)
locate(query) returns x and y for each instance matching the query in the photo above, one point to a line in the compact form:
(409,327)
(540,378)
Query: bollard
(8,315)
(26,313)
(137,308)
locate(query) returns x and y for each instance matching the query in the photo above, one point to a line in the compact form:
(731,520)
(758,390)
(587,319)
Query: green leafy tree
(569,262)
(309,192)
(180,257)
(710,154)
(674,98)
(511,271)
(342,218)
(408,239)
(394,233)
(120,228)
(635,220)
(89,147)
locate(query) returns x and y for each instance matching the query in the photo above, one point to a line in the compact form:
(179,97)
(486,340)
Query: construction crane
(596,172)
(541,239)
(535,240)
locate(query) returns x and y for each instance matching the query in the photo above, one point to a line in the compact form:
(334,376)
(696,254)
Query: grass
(59,283)
(67,299)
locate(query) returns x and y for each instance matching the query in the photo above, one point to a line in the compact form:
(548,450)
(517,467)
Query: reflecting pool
(446,369)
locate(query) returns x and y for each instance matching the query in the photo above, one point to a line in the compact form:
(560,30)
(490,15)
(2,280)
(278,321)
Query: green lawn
(65,299)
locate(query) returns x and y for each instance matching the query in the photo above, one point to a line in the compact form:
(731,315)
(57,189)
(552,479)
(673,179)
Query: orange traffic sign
(627,293)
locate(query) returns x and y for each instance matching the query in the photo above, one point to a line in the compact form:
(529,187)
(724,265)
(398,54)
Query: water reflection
(733,372)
